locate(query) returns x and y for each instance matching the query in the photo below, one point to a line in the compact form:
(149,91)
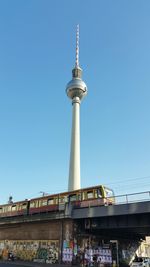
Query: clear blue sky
(37,54)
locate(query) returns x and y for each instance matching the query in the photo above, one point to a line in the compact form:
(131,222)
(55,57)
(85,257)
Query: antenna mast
(77,48)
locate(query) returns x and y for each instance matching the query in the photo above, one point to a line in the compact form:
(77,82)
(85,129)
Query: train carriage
(44,204)
(14,209)
(91,196)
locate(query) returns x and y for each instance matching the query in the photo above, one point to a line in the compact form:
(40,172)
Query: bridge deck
(112,210)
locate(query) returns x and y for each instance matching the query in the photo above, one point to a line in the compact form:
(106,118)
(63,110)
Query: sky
(37,54)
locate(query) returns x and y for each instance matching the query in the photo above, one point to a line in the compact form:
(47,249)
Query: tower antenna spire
(77,47)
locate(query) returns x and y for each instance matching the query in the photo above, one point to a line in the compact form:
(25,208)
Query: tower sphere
(76,87)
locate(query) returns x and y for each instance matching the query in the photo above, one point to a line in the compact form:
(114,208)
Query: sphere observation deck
(76,87)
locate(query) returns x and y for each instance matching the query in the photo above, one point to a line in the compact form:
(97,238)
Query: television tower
(76,89)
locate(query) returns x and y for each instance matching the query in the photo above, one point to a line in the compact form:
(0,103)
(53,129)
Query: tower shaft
(74,169)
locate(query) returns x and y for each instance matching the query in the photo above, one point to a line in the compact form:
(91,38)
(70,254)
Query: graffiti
(68,232)
(128,250)
(38,250)
(52,254)
(42,253)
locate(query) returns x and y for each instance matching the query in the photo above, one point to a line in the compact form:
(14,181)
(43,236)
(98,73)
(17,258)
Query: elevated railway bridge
(130,215)
(127,223)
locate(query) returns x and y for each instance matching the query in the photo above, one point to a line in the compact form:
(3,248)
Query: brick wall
(51,230)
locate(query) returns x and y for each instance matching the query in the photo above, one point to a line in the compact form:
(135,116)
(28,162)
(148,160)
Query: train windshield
(108,192)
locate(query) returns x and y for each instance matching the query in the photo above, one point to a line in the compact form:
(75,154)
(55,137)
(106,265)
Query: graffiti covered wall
(130,249)
(32,250)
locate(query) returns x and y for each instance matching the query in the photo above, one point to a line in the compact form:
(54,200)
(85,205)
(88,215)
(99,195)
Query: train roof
(15,203)
(66,192)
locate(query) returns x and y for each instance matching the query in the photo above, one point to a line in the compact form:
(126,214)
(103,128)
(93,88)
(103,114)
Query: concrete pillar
(74,169)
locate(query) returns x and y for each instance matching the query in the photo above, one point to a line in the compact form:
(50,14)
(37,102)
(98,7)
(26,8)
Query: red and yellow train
(91,196)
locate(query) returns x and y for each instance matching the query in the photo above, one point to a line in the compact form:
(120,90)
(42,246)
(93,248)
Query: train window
(73,197)
(19,207)
(83,195)
(4,209)
(36,203)
(108,192)
(61,200)
(24,206)
(14,207)
(44,202)
(56,200)
(90,194)
(50,201)
(8,208)
(32,204)
(40,203)
(1,210)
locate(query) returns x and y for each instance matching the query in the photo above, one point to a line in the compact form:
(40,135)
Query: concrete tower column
(74,169)
(76,90)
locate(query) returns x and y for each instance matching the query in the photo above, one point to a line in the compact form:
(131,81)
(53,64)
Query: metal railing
(115,200)
(132,198)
